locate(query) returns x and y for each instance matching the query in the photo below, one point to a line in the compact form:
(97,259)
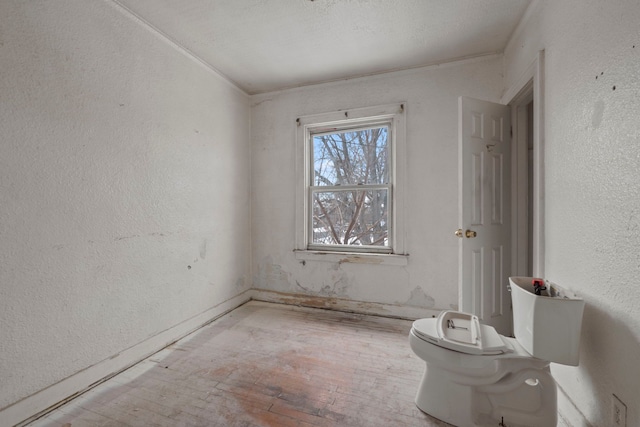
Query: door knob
(469,234)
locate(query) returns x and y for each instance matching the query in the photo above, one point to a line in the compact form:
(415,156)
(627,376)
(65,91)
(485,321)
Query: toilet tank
(548,325)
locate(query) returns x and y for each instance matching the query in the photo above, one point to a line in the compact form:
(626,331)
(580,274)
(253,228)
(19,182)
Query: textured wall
(124,189)
(592,75)
(430,279)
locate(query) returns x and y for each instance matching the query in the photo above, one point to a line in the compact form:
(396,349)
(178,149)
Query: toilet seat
(461,332)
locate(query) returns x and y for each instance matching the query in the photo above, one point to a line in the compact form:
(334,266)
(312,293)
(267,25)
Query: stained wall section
(124,189)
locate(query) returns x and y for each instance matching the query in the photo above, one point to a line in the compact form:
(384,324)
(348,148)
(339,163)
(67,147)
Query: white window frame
(392,115)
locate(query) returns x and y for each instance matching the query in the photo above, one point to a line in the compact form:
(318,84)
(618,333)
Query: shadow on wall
(608,365)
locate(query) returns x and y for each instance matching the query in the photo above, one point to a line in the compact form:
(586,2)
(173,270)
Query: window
(350,188)
(349,196)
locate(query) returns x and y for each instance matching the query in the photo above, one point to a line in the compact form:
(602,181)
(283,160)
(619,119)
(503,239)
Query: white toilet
(476,377)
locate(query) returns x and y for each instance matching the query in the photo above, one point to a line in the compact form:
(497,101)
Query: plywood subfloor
(266,365)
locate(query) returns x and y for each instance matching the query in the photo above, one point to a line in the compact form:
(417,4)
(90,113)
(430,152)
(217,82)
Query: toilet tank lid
(461,332)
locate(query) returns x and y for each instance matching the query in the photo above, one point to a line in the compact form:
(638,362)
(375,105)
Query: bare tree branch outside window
(350,191)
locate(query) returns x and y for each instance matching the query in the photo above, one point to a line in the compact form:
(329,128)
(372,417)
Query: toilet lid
(461,332)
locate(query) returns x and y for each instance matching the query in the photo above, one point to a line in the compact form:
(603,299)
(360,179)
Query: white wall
(124,190)
(431,95)
(592,187)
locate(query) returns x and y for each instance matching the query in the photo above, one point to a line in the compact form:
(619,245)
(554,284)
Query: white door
(485,211)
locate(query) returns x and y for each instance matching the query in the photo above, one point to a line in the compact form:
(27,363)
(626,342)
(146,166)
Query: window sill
(352,257)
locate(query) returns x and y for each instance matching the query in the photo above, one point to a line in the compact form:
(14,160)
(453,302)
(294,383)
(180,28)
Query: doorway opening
(523,179)
(526,101)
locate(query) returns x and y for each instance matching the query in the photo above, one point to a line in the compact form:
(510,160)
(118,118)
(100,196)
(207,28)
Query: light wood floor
(266,365)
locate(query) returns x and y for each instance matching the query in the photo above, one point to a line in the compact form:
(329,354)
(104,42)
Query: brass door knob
(469,234)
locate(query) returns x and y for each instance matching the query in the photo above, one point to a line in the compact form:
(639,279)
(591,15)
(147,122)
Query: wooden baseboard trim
(339,304)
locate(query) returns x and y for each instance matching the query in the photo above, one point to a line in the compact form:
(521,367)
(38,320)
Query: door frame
(530,86)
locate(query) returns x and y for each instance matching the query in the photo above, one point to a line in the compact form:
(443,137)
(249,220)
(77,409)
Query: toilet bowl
(476,377)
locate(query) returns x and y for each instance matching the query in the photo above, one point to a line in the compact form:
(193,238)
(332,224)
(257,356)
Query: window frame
(393,116)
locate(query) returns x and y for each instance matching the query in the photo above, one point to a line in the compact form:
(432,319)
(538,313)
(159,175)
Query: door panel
(484,208)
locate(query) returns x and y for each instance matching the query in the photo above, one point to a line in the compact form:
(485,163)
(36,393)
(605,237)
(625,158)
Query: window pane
(350,217)
(351,158)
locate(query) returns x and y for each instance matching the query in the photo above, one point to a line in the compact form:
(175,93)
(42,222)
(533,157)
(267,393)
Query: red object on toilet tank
(537,281)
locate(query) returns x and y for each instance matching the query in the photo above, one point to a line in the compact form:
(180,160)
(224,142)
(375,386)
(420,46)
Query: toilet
(477,377)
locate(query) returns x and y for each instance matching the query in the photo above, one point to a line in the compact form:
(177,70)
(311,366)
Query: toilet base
(439,397)
(526,398)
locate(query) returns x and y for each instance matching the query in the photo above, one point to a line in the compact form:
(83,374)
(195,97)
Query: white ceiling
(266,45)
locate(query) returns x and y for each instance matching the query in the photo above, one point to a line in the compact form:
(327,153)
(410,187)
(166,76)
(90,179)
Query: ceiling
(267,45)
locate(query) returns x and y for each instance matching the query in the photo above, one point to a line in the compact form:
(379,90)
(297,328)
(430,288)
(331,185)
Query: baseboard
(339,304)
(36,405)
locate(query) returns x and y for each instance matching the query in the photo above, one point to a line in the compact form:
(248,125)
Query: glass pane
(351,158)
(350,217)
